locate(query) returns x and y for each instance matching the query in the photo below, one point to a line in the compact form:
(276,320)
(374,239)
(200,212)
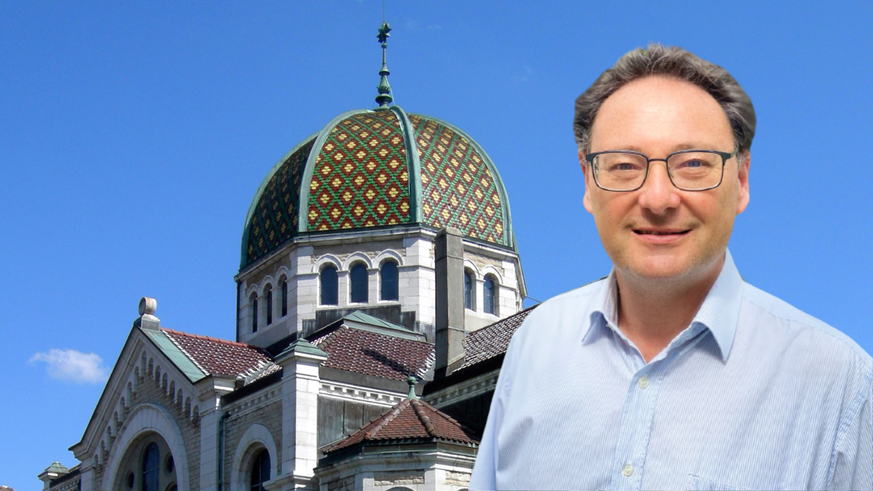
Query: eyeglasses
(689,170)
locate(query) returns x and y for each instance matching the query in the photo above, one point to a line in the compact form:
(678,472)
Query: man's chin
(667,270)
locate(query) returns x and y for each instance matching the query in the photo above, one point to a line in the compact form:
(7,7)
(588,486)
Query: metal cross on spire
(384,98)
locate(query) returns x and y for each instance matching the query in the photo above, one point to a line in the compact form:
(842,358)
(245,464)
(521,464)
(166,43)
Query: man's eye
(623,166)
(693,164)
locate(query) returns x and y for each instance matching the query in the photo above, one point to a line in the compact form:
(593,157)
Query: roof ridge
(326,338)
(508,317)
(386,418)
(185,352)
(210,338)
(425,420)
(384,334)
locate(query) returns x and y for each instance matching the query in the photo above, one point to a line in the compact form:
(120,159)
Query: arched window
(469,284)
(359,283)
(489,295)
(268,294)
(151,467)
(260,471)
(388,279)
(284,297)
(253,306)
(328,277)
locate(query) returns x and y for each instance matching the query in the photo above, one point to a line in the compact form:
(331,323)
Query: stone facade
(264,411)
(411,247)
(421,467)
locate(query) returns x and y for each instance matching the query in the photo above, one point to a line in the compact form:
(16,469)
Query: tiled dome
(355,173)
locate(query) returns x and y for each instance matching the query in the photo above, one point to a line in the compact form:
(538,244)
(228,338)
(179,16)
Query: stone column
(300,386)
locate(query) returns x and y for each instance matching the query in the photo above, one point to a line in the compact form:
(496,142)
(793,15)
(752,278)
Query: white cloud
(73,366)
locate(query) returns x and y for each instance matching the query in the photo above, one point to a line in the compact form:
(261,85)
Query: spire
(384,98)
(411,381)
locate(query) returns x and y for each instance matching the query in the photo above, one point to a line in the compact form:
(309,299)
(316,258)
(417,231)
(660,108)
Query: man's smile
(643,231)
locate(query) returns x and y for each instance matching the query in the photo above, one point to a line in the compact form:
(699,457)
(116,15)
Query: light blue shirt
(754,394)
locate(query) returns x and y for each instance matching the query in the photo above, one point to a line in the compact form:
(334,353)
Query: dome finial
(384,98)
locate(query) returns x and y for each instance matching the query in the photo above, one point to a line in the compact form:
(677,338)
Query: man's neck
(651,312)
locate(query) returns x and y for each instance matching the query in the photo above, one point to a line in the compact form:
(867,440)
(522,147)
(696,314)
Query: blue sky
(133,136)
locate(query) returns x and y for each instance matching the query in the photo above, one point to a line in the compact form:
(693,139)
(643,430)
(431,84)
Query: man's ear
(743,178)
(586,171)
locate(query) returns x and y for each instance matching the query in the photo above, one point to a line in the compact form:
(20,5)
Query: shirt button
(643,382)
(627,470)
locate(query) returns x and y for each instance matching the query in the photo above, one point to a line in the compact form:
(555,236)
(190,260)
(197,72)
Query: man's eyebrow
(677,148)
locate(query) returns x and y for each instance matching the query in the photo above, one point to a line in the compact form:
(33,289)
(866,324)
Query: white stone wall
(413,250)
(424,470)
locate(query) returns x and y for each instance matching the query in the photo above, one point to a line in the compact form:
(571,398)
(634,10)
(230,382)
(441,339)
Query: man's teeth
(653,232)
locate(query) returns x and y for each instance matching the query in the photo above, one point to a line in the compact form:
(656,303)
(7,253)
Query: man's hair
(673,62)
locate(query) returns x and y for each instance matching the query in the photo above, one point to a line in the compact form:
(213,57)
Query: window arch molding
(492,271)
(389,254)
(253,289)
(148,418)
(256,438)
(267,282)
(477,275)
(282,271)
(357,257)
(324,261)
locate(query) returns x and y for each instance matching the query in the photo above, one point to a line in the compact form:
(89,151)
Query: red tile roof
(371,353)
(224,358)
(493,340)
(409,420)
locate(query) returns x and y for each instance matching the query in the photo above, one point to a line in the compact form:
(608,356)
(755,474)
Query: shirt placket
(636,424)
(638,411)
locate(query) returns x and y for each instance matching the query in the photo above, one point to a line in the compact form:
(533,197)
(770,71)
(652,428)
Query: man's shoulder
(577,301)
(572,306)
(799,322)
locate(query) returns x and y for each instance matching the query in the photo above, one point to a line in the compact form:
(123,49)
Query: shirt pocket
(697,483)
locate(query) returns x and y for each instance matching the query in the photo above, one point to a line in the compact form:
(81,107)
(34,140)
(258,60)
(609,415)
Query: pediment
(148,360)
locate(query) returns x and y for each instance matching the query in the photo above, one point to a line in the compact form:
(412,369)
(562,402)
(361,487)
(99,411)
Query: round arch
(324,260)
(148,418)
(477,275)
(357,257)
(388,254)
(492,271)
(255,438)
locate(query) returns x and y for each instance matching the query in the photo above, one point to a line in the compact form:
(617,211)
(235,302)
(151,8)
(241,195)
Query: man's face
(659,231)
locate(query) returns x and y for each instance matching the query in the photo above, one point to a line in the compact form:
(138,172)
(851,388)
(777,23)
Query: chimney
(449,302)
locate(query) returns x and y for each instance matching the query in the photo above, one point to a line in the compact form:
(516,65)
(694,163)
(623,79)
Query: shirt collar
(718,313)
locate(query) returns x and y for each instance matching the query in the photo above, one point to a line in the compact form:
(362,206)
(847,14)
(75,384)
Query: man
(672,372)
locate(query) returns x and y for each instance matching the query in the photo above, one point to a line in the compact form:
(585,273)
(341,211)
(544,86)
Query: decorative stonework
(347,392)
(360,177)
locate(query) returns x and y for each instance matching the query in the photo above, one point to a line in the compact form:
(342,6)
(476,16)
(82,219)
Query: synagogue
(378,287)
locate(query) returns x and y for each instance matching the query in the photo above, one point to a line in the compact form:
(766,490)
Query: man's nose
(658,193)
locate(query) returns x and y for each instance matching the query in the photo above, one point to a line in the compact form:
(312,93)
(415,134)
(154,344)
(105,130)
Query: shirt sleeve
(852,461)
